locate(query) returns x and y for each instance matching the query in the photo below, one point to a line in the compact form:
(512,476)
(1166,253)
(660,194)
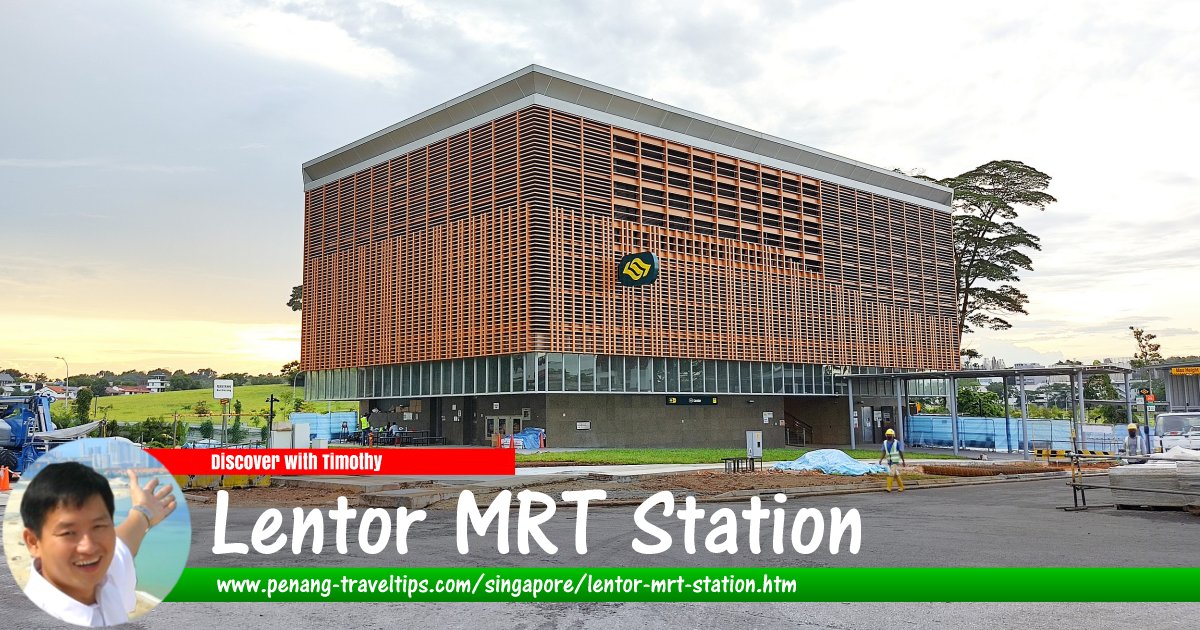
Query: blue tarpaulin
(529,438)
(831,462)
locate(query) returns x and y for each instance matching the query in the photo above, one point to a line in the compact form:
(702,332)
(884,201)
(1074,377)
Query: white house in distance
(157,383)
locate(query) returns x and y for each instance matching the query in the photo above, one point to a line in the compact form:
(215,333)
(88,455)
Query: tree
(237,432)
(1057,394)
(237,407)
(201,408)
(296,302)
(83,404)
(1100,387)
(16,374)
(238,378)
(988,244)
(182,381)
(264,433)
(1147,351)
(289,370)
(206,429)
(973,402)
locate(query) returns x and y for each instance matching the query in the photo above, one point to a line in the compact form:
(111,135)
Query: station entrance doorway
(501,425)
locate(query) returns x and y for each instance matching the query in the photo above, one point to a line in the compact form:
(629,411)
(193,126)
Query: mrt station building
(461,274)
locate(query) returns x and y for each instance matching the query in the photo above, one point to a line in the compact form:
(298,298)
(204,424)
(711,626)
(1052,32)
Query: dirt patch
(274,497)
(713,482)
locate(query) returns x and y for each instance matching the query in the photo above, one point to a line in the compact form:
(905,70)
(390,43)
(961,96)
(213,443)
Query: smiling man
(83,571)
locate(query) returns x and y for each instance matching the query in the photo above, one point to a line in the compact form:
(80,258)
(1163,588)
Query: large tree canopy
(296,301)
(989,247)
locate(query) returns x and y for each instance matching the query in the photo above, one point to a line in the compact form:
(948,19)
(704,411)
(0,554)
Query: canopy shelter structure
(1078,374)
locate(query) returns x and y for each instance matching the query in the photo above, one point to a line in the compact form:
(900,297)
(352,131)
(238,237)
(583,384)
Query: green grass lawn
(684,455)
(138,407)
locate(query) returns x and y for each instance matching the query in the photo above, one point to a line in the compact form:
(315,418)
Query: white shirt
(115,598)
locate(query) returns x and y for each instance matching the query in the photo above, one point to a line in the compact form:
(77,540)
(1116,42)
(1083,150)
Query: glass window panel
(426,379)
(673,375)
(710,377)
(456,377)
(469,376)
(616,369)
(493,367)
(631,374)
(688,380)
(505,373)
(746,379)
(531,368)
(571,372)
(554,381)
(660,375)
(603,377)
(541,372)
(776,378)
(645,374)
(587,373)
(518,372)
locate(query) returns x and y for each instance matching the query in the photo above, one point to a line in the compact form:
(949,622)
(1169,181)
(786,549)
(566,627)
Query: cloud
(290,36)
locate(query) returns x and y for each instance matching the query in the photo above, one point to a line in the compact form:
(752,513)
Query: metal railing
(1079,488)
(797,432)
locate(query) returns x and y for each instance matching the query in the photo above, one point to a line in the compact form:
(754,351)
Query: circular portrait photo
(96,532)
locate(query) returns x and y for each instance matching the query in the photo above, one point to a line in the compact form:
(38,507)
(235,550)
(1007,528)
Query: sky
(151,196)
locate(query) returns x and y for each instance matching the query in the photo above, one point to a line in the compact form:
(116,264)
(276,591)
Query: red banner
(337,461)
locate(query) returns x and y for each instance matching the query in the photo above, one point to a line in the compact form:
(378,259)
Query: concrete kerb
(419,498)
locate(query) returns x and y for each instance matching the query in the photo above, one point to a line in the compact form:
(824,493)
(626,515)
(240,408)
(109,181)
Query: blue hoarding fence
(1000,435)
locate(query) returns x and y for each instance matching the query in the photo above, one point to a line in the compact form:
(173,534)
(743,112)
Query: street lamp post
(66,385)
(271,400)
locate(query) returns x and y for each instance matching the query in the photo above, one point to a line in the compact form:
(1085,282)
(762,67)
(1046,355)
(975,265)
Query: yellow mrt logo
(635,270)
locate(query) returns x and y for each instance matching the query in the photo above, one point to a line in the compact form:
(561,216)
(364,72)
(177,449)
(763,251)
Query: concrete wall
(645,420)
(827,415)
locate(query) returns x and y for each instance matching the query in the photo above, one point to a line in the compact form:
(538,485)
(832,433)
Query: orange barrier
(4,484)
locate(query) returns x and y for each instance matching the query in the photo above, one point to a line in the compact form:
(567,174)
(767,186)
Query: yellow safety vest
(892,450)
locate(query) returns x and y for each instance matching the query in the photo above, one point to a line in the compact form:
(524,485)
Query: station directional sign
(691,400)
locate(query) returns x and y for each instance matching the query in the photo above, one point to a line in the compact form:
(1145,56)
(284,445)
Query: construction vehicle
(27,431)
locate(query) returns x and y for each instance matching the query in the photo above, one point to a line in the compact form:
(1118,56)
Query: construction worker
(1135,445)
(893,451)
(364,427)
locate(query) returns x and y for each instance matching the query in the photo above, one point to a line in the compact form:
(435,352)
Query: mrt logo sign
(639,269)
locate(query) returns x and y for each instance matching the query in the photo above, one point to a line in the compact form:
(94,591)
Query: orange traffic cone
(4,485)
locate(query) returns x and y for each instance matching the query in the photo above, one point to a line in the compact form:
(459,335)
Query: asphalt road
(1012,524)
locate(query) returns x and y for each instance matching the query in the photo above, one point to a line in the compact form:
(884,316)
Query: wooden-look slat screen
(504,239)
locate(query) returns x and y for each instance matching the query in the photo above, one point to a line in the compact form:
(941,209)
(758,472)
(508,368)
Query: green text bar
(970,584)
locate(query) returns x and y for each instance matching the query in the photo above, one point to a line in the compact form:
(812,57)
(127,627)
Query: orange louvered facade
(504,238)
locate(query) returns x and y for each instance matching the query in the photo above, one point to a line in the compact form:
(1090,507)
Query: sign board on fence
(222,388)
(1185,371)
(767,416)
(583,425)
